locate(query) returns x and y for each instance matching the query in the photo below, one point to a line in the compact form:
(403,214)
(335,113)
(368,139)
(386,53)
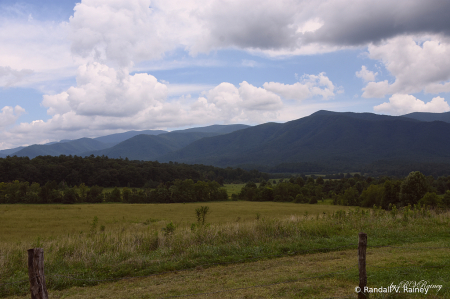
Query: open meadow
(245,250)
(28,222)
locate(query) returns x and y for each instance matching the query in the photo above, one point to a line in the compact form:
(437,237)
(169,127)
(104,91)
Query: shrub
(201,214)
(430,199)
(446,199)
(169,229)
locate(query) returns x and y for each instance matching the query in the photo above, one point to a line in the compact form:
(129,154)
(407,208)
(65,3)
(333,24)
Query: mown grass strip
(318,275)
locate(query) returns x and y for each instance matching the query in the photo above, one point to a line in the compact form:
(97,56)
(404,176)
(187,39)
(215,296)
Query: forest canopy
(105,172)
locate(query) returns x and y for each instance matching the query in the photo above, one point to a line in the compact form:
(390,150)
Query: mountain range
(325,140)
(135,145)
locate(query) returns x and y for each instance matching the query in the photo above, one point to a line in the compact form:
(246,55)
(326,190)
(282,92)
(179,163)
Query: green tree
(126,194)
(446,199)
(248,192)
(70,196)
(115,195)
(413,188)
(94,195)
(430,199)
(372,196)
(350,197)
(390,194)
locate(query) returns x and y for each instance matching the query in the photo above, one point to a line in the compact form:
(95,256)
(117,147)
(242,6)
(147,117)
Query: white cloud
(9,115)
(415,63)
(311,85)
(244,104)
(34,46)
(9,77)
(106,100)
(126,32)
(400,104)
(256,98)
(366,75)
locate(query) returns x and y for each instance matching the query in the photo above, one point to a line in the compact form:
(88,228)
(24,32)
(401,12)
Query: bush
(446,199)
(430,199)
(201,214)
(70,196)
(169,229)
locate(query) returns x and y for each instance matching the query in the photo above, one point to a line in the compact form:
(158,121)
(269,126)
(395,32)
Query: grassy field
(319,275)
(288,251)
(27,222)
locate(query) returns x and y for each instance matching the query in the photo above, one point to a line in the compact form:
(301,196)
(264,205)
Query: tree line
(169,192)
(105,172)
(356,190)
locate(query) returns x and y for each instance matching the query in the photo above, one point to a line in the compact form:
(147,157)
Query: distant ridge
(65,148)
(222,129)
(147,147)
(328,138)
(119,137)
(9,152)
(324,141)
(428,116)
(144,147)
(150,147)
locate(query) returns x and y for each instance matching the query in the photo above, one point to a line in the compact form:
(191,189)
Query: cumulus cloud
(9,115)
(247,103)
(126,32)
(136,30)
(9,76)
(416,64)
(256,98)
(400,104)
(105,100)
(311,85)
(366,75)
(354,23)
(103,91)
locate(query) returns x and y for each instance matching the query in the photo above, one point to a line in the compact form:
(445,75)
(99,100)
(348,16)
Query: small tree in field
(201,214)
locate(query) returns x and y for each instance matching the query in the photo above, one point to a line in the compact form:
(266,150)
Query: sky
(89,68)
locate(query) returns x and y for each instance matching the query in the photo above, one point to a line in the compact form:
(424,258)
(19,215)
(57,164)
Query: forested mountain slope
(428,116)
(326,137)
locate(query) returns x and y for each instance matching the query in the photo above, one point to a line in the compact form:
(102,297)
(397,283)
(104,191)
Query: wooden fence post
(36,273)
(362,245)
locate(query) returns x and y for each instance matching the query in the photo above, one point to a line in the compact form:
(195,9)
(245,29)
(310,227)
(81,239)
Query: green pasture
(283,241)
(20,222)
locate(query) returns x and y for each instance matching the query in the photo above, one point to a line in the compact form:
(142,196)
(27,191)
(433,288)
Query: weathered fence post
(362,245)
(36,273)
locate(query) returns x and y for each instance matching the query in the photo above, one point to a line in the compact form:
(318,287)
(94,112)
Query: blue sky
(71,69)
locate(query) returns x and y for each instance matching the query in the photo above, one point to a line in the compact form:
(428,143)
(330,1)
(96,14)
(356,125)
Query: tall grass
(138,249)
